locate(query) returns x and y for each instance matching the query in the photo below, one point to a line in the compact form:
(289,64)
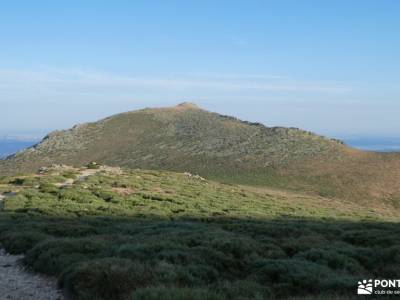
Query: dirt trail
(82,175)
(17,284)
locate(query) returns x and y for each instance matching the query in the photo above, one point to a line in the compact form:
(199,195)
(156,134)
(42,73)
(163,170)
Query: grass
(161,235)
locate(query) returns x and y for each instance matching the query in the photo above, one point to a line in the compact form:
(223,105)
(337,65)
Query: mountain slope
(119,234)
(187,138)
(180,137)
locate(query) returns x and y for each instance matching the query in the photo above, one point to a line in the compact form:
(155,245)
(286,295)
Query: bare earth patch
(17,284)
(124,191)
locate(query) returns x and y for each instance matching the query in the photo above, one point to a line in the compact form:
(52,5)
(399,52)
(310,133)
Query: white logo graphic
(365,287)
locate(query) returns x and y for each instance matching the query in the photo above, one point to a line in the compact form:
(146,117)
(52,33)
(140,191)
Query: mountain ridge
(165,116)
(188,138)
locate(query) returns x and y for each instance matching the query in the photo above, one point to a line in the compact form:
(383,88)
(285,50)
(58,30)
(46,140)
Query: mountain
(188,138)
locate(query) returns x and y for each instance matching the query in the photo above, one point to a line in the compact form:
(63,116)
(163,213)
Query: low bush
(19,242)
(108,196)
(48,188)
(53,256)
(174,293)
(332,259)
(71,229)
(93,165)
(302,243)
(297,277)
(69,174)
(18,181)
(243,290)
(76,195)
(107,278)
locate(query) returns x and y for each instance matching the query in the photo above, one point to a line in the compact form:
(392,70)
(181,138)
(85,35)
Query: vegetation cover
(108,233)
(223,148)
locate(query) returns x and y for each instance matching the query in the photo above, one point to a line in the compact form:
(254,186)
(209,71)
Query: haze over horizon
(330,68)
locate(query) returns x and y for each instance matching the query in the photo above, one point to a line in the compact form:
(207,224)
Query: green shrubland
(161,235)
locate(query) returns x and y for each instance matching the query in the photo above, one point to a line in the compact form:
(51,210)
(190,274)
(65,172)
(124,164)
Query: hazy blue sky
(332,67)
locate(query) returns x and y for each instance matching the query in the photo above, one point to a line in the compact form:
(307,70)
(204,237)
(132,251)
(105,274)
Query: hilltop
(183,137)
(224,148)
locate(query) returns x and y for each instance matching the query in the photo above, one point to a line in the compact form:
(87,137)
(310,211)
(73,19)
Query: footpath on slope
(16,283)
